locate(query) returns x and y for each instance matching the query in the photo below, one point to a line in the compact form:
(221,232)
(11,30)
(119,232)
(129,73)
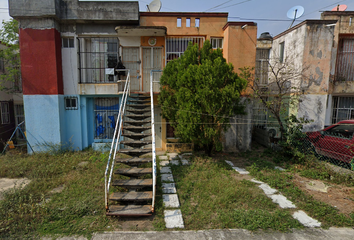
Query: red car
(335,141)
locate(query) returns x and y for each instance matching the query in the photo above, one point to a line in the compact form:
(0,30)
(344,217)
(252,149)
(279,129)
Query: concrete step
(139,106)
(138,117)
(131,196)
(139,111)
(136,129)
(134,161)
(132,183)
(136,144)
(136,136)
(133,172)
(138,123)
(135,152)
(130,210)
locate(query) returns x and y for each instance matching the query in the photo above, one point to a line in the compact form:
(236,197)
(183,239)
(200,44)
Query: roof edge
(309,21)
(238,24)
(184,14)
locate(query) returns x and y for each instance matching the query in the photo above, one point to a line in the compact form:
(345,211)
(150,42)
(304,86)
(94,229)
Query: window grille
(175,46)
(343,109)
(106,113)
(98,57)
(260,115)
(71,103)
(19,118)
(261,71)
(345,61)
(5,113)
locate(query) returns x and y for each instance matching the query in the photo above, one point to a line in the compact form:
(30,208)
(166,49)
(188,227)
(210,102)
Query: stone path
(173,215)
(8,183)
(281,200)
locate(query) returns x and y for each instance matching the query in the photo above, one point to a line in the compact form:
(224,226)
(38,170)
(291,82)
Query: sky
(270,15)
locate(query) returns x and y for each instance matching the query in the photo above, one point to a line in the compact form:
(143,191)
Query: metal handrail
(117,132)
(153,140)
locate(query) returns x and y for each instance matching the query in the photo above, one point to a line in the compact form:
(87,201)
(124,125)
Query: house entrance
(152,60)
(131,60)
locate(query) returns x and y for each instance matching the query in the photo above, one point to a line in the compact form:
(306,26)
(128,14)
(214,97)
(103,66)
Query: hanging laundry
(113,123)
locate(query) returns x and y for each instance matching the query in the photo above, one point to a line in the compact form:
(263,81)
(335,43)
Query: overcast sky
(270,15)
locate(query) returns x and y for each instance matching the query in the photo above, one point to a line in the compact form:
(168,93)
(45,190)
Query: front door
(152,60)
(131,61)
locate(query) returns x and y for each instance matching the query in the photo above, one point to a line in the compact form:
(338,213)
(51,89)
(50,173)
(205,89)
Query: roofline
(303,23)
(184,14)
(238,24)
(338,13)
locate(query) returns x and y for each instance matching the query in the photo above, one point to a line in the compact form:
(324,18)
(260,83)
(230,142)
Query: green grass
(326,214)
(77,210)
(211,198)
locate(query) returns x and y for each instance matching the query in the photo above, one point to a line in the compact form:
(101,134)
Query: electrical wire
(218,5)
(232,5)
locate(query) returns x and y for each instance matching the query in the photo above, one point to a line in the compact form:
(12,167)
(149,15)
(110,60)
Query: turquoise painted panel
(42,121)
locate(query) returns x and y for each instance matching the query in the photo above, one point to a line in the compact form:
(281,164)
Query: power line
(218,5)
(232,5)
(324,7)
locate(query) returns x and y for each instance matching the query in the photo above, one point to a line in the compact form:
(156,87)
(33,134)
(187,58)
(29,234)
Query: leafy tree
(281,92)
(199,93)
(10,56)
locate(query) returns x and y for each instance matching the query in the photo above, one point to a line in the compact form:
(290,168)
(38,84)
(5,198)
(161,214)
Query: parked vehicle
(334,142)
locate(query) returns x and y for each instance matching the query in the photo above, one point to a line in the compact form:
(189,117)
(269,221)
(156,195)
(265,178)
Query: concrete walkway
(235,234)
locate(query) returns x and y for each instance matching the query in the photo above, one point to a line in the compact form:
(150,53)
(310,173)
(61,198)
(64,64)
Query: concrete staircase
(135,197)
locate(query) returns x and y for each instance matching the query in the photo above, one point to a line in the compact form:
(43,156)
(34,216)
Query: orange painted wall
(160,41)
(209,26)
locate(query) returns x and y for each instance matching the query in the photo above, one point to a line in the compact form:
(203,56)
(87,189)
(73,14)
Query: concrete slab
(166,177)
(230,163)
(170,200)
(187,154)
(305,220)
(8,183)
(256,181)
(279,168)
(164,163)
(165,170)
(174,162)
(317,186)
(172,155)
(58,189)
(163,157)
(185,162)
(241,170)
(267,189)
(173,219)
(234,234)
(169,188)
(282,201)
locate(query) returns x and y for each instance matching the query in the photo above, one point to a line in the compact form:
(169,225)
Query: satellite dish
(294,13)
(340,8)
(154,6)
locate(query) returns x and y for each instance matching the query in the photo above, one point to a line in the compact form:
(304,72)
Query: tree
(283,88)
(10,56)
(199,93)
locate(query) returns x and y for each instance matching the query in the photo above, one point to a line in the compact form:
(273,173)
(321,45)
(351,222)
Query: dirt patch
(340,197)
(8,183)
(133,224)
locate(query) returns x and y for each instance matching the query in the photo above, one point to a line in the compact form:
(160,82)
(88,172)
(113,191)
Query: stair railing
(117,133)
(153,138)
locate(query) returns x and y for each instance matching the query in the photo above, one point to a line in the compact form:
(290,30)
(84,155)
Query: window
(343,109)
(341,131)
(261,71)
(68,42)
(71,103)
(5,113)
(197,22)
(106,113)
(345,61)
(19,118)
(179,22)
(98,57)
(260,115)
(281,52)
(175,46)
(216,43)
(188,22)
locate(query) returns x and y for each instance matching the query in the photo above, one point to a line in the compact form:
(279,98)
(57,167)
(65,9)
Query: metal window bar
(5,113)
(176,46)
(343,109)
(116,138)
(20,118)
(97,59)
(106,111)
(345,61)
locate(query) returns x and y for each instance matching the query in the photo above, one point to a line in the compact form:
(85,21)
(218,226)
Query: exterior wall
(210,26)
(41,61)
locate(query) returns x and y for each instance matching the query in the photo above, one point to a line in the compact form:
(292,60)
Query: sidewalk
(235,234)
